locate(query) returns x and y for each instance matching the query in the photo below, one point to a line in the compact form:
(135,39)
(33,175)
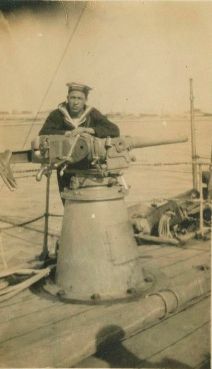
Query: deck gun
(97,257)
(74,152)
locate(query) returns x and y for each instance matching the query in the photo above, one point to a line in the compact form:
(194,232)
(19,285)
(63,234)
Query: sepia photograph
(105,184)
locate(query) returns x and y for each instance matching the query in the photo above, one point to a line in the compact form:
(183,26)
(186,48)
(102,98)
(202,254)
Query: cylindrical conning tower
(98,256)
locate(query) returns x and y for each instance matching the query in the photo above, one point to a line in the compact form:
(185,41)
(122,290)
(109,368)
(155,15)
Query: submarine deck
(36,331)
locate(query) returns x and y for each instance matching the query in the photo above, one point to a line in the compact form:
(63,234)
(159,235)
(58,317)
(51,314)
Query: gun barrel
(140,142)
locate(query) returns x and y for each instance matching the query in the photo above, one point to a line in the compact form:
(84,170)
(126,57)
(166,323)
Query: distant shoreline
(22,118)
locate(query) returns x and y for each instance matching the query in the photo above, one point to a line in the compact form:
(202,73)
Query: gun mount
(74,152)
(103,156)
(96,231)
(97,258)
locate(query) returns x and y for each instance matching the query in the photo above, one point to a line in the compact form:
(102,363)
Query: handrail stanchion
(201,222)
(193,138)
(45,251)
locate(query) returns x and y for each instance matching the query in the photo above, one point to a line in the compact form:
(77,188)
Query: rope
(56,215)
(14,225)
(13,290)
(134,164)
(2,252)
(164,225)
(25,171)
(24,224)
(170,170)
(20,177)
(23,239)
(165,163)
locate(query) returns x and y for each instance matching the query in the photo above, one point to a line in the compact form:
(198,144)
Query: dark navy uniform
(56,123)
(59,121)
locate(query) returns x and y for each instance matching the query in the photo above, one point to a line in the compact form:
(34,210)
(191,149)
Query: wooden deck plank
(33,304)
(157,252)
(182,266)
(145,247)
(61,315)
(189,351)
(45,339)
(76,334)
(26,294)
(36,304)
(29,322)
(170,331)
(162,344)
(190,245)
(199,244)
(44,325)
(31,307)
(162,251)
(171,259)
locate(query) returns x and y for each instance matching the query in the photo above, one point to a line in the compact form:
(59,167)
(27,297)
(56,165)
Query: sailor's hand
(79,130)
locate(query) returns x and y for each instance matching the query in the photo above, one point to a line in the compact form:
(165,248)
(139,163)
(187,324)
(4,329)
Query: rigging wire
(15,225)
(53,77)
(28,241)
(56,70)
(65,11)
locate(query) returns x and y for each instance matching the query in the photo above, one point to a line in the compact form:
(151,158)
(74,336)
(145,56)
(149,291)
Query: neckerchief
(67,118)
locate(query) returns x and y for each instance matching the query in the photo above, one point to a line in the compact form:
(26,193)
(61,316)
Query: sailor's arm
(53,125)
(102,126)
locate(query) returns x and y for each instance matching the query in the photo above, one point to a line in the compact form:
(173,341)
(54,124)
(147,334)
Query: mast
(193,138)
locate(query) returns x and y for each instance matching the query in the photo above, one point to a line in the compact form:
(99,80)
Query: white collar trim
(62,108)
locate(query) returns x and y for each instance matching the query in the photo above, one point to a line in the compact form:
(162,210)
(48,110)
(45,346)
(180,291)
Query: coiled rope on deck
(164,225)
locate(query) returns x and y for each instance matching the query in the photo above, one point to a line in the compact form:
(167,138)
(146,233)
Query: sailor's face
(76,101)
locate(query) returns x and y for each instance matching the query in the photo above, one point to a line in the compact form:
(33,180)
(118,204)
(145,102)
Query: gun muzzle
(140,142)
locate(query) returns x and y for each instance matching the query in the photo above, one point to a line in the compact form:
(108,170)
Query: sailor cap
(78,87)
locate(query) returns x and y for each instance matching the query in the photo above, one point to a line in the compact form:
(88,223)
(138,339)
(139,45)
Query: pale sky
(137,56)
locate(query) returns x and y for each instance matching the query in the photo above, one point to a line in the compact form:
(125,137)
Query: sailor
(75,114)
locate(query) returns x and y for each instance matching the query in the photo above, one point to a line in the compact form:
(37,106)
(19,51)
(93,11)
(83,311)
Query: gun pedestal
(98,256)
